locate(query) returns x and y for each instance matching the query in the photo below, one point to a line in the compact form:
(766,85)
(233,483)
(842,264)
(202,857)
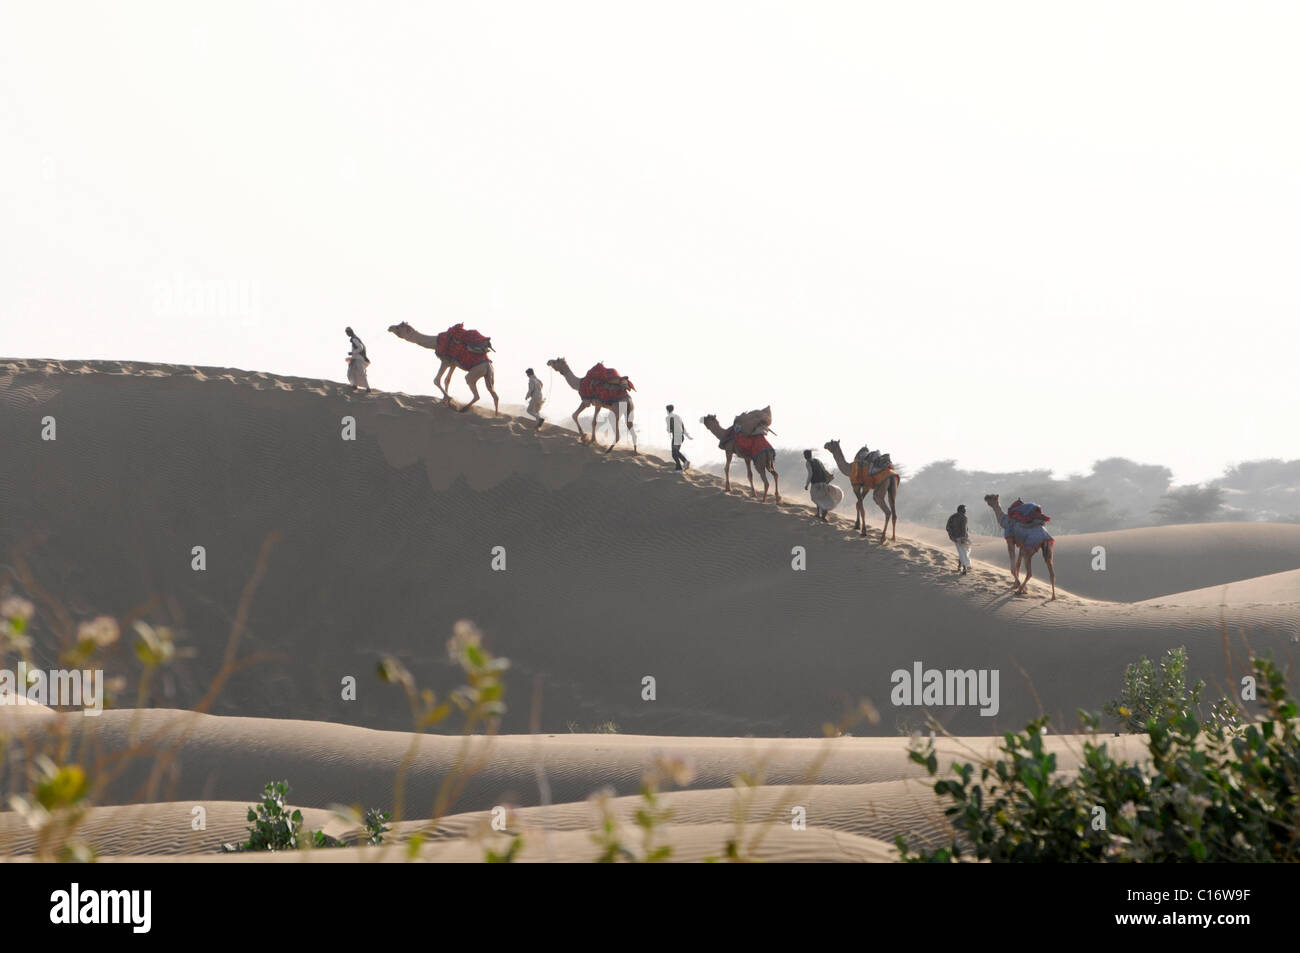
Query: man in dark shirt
(958,533)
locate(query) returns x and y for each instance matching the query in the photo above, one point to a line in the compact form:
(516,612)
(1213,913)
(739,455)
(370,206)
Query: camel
(481,371)
(561,365)
(884,487)
(765,459)
(1017,538)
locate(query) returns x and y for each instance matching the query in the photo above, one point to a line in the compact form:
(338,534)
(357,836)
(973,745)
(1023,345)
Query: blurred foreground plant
(1227,790)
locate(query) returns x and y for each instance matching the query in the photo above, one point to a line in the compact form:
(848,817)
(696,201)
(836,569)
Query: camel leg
(631,427)
(749,472)
(776,482)
(473,386)
(1051,569)
(438,382)
(762,474)
(1029,573)
(490,381)
(727,472)
(893,508)
(582,434)
(879,497)
(617,433)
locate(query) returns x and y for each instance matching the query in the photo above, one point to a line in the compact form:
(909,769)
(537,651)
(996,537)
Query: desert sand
(590,572)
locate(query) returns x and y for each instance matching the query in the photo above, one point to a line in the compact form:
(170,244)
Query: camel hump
(466,347)
(605,384)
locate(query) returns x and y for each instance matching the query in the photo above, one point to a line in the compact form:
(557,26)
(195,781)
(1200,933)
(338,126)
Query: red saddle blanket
(750,445)
(1027,514)
(463,345)
(603,384)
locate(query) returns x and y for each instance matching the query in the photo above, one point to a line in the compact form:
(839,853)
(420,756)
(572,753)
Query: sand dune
(1275,588)
(591,572)
(616,567)
(859,792)
(1153,561)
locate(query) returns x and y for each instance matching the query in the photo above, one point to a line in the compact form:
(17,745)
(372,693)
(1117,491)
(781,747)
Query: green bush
(376,822)
(275,827)
(1217,791)
(1158,691)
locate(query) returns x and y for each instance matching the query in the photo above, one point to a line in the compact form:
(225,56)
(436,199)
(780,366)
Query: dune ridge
(591,572)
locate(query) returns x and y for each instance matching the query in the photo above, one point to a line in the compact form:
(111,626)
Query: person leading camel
(958,532)
(823,492)
(535,401)
(357,362)
(677,432)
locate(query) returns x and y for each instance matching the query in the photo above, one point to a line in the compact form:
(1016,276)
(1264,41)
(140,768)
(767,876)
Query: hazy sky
(1017,235)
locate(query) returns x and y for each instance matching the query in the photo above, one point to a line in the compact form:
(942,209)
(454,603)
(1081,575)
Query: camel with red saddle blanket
(1024,526)
(461,347)
(747,438)
(871,471)
(605,389)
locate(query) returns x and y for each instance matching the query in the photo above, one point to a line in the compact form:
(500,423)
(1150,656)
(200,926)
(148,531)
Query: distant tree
(1190,504)
(1131,489)
(1260,475)
(1262,489)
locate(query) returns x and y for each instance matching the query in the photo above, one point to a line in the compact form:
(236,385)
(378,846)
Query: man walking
(959,534)
(678,433)
(535,397)
(825,494)
(357,362)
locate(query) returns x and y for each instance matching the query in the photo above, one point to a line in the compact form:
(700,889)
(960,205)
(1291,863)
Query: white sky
(1017,235)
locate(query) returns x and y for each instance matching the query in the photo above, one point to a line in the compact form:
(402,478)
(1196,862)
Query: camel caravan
(604,388)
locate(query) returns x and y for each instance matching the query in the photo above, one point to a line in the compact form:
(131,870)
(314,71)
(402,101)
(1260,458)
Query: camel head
(402,330)
(559,364)
(832,445)
(709,420)
(991,499)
